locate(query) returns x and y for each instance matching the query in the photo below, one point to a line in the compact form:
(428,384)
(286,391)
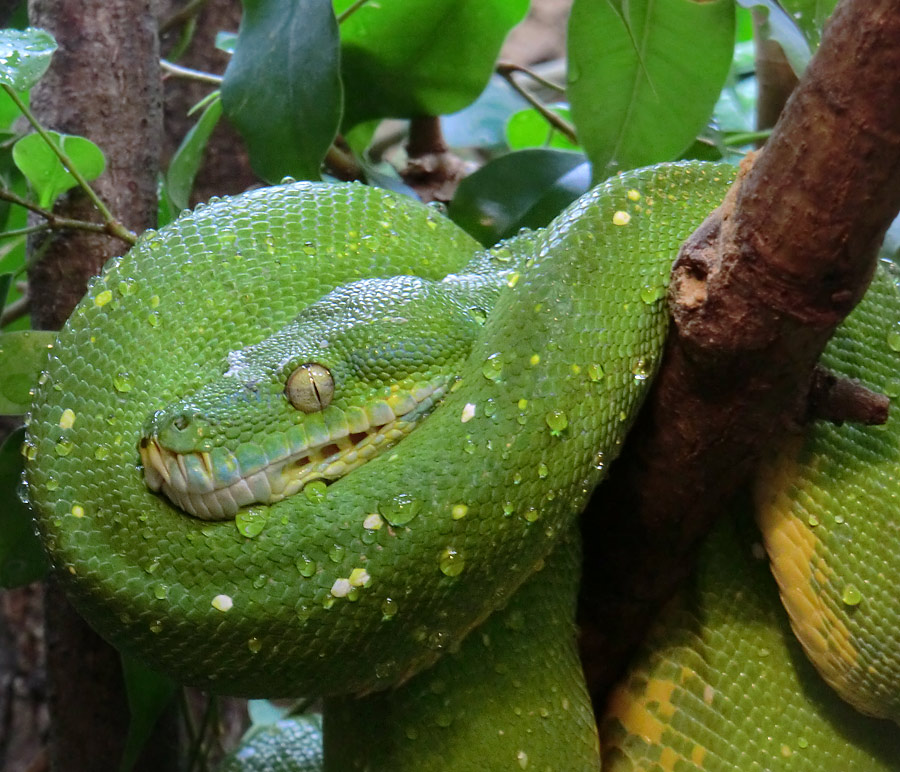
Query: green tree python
(313,440)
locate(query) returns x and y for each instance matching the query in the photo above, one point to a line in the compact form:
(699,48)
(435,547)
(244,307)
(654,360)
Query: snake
(316,440)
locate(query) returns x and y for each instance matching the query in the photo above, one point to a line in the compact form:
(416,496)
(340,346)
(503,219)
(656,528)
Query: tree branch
(756,293)
(432,169)
(836,399)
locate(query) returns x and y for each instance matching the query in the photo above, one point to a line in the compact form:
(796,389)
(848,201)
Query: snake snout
(213,480)
(181,429)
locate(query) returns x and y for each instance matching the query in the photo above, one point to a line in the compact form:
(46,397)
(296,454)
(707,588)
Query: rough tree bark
(103,83)
(756,293)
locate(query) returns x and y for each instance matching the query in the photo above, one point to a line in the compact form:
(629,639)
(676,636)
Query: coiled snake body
(301,441)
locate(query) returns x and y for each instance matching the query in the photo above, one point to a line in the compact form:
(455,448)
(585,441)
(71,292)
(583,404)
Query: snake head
(349,377)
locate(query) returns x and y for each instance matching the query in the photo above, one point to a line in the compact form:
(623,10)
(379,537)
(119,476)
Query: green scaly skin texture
(496,699)
(831,497)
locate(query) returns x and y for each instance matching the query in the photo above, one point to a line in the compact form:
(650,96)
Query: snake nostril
(181,422)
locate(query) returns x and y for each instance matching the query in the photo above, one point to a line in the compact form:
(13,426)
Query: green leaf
(226,41)
(24,56)
(22,558)
(420,57)
(148,693)
(187,159)
(781,27)
(165,209)
(528,128)
(360,136)
(9,110)
(744,30)
(37,161)
(22,357)
(644,76)
(525,189)
(282,87)
(810,16)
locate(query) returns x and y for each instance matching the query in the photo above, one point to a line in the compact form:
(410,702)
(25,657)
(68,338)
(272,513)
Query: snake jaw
(217,487)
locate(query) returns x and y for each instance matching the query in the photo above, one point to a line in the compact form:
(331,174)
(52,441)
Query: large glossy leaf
(781,27)
(282,88)
(528,128)
(24,56)
(810,16)
(46,173)
(644,76)
(420,57)
(22,558)
(525,189)
(186,161)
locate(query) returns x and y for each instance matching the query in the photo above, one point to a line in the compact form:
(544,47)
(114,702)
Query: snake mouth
(214,485)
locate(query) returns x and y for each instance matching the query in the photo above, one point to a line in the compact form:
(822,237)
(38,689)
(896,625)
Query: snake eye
(310,388)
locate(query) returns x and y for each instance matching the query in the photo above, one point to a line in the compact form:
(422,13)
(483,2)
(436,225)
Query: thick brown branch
(836,399)
(756,294)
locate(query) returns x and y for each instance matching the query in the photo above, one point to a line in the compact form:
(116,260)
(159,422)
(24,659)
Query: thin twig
(113,226)
(15,198)
(509,67)
(350,11)
(187,72)
(54,221)
(342,164)
(184,14)
(25,231)
(560,124)
(15,310)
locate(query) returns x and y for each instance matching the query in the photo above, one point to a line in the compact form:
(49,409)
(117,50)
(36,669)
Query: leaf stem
(24,231)
(746,137)
(188,72)
(565,128)
(112,225)
(186,13)
(342,164)
(15,310)
(347,12)
(508,67)
(55,222)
